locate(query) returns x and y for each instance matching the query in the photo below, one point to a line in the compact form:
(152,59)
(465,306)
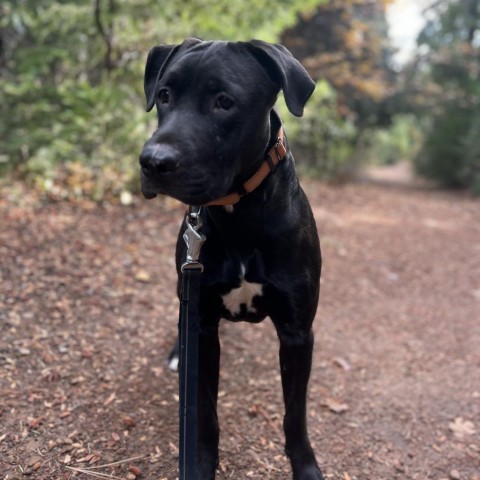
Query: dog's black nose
(158,159)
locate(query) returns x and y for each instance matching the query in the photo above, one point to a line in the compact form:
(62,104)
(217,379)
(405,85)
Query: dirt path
(87,315)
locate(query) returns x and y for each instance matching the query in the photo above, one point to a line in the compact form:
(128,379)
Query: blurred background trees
(345,46)
(71,80)
(445,82)
(72,120)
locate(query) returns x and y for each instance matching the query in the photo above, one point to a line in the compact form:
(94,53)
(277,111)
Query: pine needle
(116,463)
(91,470)
(92,473)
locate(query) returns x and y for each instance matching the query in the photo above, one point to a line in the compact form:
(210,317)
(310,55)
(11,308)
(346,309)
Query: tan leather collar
(274,155)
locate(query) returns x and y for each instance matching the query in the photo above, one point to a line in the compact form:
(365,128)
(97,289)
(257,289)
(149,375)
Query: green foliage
(323,141)
(470,144)
(448,77)
(71,77)
(451,153)
(346,43)
(400,141)
(214,19)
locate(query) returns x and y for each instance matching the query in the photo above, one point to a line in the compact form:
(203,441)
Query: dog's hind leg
(295,365)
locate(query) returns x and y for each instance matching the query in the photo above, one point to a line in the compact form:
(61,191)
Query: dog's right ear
(157,59)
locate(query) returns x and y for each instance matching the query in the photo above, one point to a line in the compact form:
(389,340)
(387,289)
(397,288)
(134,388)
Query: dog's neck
(275,153)
(262,206)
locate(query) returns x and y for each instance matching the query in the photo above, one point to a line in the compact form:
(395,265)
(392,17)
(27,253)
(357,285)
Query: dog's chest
(240,302)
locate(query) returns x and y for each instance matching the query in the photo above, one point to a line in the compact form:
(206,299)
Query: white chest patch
(244,294)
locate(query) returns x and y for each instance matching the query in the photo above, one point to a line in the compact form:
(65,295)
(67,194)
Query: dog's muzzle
(157,162)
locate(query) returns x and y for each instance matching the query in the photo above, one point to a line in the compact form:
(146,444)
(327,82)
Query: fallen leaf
(110,399)
(461,427)
(33,460)
(77,380)
(135,470)
(96,457)
(142,276)
(34,423)
(336,407)
(342,363)
(128,421)
(454,475)
(86,458)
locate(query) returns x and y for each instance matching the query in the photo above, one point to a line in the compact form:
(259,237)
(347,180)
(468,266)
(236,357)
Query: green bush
(322,140)
(60,107)
(71,108)
(470,144)
(399,142)
(100,127)
(448,93)
(451,152)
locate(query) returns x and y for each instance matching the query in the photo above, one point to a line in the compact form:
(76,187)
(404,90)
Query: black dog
(218,138)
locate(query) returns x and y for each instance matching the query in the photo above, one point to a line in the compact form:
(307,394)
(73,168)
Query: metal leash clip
(193,239)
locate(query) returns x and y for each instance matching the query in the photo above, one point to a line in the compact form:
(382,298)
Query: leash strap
(189,330)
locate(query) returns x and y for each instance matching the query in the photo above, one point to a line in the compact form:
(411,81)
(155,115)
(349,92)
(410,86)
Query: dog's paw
(173,362)
(311,472)
(207,466)
(304,465)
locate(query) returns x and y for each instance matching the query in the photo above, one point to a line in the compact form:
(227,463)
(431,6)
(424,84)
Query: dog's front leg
(295,365)
(208,430)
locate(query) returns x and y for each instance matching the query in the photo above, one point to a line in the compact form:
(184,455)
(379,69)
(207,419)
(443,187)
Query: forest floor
(88,314)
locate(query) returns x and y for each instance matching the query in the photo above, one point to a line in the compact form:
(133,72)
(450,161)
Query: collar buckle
(276,154)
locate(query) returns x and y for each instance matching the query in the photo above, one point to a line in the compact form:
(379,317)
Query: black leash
(189,329)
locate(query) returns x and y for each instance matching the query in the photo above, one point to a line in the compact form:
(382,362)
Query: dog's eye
(164,96)
(223,102)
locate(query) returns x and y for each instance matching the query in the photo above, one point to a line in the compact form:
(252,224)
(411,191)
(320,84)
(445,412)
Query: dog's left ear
(286,72)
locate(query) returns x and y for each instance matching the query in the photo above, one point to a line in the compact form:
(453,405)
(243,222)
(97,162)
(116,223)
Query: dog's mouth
(195,183)
(148,194)
(179,171)
(194,192)
(148,189)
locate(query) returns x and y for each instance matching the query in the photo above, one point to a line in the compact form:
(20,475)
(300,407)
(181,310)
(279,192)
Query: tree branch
(105,33)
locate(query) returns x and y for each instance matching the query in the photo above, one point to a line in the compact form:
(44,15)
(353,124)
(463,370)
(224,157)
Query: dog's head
(213,104)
